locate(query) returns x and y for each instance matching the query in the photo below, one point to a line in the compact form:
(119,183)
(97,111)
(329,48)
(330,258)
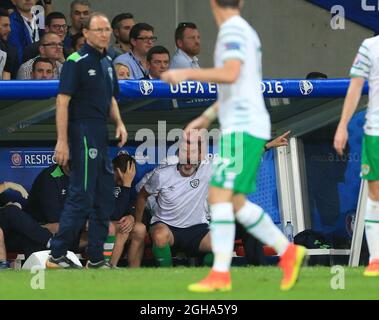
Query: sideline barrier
(136,89)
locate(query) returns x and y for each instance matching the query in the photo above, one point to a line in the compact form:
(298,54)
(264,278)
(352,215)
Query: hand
(128,176)
(340,139)
(279,141)
(52,227)
(121,134)
(62,153)
(17,187)
(201,122)
(174,76)
(126,224)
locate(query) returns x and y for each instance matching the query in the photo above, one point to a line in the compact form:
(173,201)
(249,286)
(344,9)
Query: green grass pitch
(249,283)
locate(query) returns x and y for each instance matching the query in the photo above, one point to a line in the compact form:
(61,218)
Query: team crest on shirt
(146,87)
(92,153)
(306,87)
(117,191)
(195,183)
(365,170)
(110,72)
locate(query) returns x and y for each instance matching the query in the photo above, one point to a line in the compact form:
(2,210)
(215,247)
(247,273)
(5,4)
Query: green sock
(108,247)
(163,255)
(208,259)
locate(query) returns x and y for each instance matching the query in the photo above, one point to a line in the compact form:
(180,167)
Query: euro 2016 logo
(146,87)
(306,87)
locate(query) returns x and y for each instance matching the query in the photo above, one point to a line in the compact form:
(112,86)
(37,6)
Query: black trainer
(61,263)
(99,265)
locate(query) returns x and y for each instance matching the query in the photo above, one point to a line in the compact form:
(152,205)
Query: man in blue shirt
(86,99)
(142,39)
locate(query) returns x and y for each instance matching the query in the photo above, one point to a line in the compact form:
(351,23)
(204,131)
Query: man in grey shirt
(187,39)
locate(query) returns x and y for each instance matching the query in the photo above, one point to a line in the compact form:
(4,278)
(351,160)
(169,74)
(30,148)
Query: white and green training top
(242,106)
(366,65)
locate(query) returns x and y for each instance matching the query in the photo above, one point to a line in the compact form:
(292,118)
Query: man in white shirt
(187,40)
(180,216)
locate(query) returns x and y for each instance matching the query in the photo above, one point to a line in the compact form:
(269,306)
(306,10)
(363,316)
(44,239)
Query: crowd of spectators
(30,29)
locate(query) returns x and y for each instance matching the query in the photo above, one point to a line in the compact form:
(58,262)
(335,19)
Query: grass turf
(249,283)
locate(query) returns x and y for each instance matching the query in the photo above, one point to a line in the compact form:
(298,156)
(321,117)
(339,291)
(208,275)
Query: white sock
(259,224)
(223,231)
(372,228)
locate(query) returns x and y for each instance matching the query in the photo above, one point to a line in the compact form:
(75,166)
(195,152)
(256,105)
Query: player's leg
(259,224)
(372,228)
(163,240)
(370,172)
(137,245)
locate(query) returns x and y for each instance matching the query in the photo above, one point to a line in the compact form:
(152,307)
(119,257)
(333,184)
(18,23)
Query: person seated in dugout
(47,198)
(175,194)
(124,230)
(21,233)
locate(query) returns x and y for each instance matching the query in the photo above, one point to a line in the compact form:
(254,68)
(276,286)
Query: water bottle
(288,231)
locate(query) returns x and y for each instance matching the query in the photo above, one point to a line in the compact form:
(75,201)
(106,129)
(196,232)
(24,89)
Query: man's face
(99,33)
(5,28)
(144,42)
(191,153)
(24,5)
(159,63)
(191,42)
(79,15)
(43,71)
(59,27)
(122,32)
(51,47)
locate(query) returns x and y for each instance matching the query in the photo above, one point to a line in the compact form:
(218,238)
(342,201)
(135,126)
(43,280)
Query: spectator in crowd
(187,40)
(121,25)
(56,23)
(123,224)
(11,62)
(122,71)
(42,69)
(80,12)
(24,28)
(47,6)
(51,47)
(158,61)
(78,42)
(21,232)
(142,40)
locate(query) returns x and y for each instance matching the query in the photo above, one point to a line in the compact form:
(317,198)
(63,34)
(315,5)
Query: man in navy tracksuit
(86,99)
